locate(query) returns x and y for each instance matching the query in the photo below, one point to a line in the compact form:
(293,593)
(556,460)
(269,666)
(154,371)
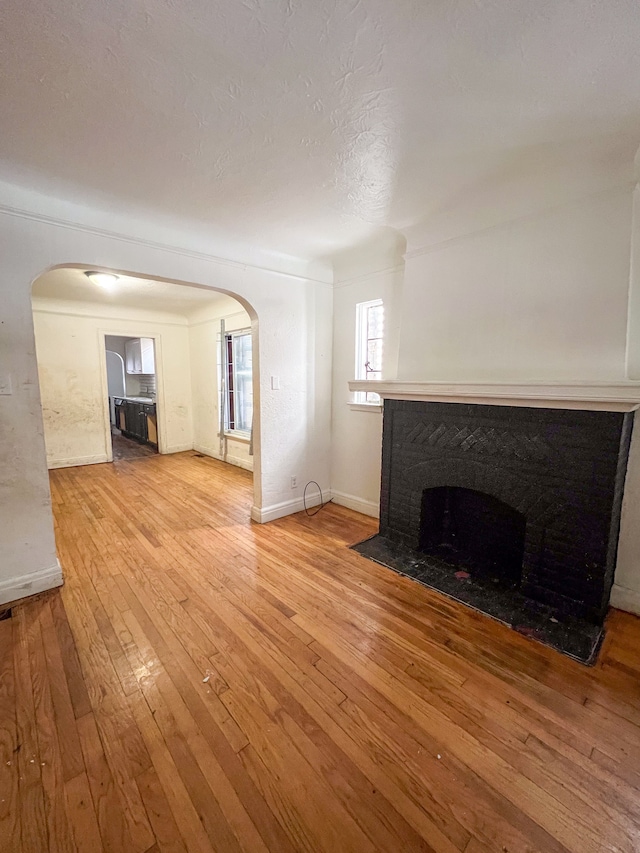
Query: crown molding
(418,236)
(153,318)
(358,279)
(23,213)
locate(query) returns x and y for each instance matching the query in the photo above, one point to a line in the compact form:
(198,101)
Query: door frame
(160,409)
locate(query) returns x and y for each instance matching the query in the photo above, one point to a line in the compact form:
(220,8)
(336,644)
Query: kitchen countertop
(147,400)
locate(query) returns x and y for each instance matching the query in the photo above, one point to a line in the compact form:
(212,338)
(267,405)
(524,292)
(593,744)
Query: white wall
(626,589)
(204,331)
(28,563)
(70,349)
(357,430)
(300,409)
(633,338)
(543,297)
(294,315)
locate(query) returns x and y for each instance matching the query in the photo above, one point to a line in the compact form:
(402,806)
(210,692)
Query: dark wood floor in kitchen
(128,448)
(205,684)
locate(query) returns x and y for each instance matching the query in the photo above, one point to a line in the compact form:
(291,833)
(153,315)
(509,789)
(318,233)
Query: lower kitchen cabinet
(137,420)
(151,425)
(121,414)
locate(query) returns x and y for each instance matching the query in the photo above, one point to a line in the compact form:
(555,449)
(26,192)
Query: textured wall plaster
(70,345)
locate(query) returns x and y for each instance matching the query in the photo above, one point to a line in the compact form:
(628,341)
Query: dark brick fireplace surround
(477,486)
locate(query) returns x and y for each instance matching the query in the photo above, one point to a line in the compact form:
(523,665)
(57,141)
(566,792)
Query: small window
(369,335)
(239,382)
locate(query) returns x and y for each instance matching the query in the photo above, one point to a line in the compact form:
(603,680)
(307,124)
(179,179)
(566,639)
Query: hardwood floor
(205,684)
(127,448)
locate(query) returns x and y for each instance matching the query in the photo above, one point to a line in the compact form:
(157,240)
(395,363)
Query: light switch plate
(5,385)
(275,383)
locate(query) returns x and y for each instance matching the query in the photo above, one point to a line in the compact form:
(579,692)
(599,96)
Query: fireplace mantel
(622,396)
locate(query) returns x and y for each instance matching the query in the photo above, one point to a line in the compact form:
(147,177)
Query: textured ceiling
(128,292)
(307,127)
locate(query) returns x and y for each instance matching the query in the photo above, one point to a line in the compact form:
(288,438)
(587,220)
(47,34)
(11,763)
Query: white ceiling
(307,127)
(128,292)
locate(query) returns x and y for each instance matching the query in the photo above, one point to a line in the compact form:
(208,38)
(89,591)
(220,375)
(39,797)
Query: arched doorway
(199,392)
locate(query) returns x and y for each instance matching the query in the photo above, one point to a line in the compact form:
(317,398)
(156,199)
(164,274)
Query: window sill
(237,435)
(365,407)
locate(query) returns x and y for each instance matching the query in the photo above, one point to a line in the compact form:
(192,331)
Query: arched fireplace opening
(474,532)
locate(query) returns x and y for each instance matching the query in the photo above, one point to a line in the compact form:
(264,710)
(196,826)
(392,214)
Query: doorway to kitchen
(131,366)
(131,388)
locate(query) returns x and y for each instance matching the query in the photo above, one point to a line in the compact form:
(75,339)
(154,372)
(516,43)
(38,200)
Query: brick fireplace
(521,503)
(560,471)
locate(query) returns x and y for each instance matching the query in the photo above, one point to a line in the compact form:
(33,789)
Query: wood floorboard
(30,806)
(10,830)
(203,684)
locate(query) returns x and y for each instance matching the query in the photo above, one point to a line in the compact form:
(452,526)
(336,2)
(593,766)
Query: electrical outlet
(294,482)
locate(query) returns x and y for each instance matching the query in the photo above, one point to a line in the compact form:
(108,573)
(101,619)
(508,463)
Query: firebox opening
(474,531)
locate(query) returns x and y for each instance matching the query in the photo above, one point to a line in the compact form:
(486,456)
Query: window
(369,334)
(239,381)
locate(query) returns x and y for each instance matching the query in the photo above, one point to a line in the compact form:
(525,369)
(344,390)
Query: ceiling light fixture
(105,280)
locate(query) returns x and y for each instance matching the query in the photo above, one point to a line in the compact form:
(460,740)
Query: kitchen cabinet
(151,424)
(121,412)
(140,356)
(137,420)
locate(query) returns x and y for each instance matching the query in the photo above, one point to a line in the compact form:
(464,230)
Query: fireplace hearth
(512,510)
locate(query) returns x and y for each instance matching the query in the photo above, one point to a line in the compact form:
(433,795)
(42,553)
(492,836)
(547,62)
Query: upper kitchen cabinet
(139,356)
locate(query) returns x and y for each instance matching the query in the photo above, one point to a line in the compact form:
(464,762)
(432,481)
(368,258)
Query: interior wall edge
(176,448)
(368,276)
(230,459)
(625,599)
(421,240)
(264,514)
(30,583)
(27,202)
(78,460)
(370,508)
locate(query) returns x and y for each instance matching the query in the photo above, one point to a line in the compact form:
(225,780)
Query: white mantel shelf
(622,396)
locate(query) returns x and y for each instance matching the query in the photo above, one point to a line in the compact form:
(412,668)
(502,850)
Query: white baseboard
(625,599)
(176,448)
(78,460)
(270,513)
(358,504)
(20,587)
(247,464)
(241,463)
(207,451)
